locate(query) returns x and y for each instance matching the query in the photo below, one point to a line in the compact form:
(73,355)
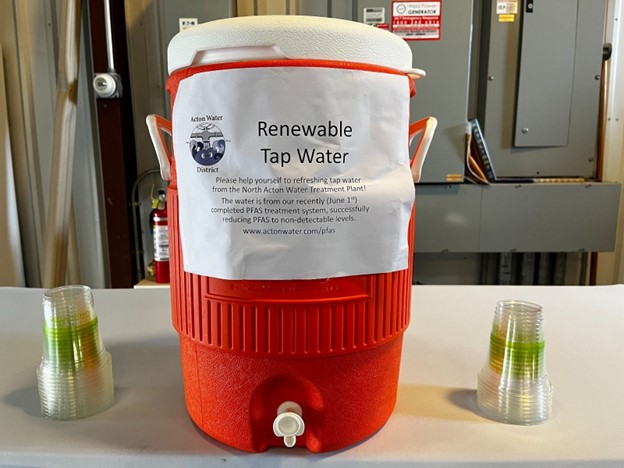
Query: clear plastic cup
(513,386)
(75,377)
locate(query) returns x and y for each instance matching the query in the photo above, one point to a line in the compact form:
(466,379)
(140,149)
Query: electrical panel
(539,86)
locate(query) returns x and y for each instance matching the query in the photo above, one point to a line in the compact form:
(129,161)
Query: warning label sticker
(506,10)
(417,21)
(374,15)
(506,7)
(293,172)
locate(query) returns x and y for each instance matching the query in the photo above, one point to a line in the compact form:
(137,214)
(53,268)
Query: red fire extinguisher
(160,231)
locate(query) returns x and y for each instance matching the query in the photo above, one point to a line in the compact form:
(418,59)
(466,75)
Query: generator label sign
(417,21)
(293,172)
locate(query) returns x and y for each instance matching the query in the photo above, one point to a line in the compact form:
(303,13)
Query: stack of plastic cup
(513,386)
(76,374)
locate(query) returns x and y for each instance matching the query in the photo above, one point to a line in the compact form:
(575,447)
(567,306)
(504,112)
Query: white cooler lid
(291,37)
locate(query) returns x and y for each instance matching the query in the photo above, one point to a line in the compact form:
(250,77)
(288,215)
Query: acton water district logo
(207,144)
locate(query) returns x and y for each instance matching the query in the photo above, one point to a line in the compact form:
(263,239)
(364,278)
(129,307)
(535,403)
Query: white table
(435,421)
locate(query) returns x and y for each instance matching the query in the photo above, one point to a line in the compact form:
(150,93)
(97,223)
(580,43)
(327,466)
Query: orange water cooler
(301,360)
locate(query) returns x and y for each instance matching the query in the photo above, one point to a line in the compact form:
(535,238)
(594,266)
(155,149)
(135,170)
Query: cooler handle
(156,125)
(427,127)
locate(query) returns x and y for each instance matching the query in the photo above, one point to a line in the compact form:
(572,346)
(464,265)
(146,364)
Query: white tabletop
(435,421)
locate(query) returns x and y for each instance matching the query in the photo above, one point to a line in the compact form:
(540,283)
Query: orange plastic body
(332,345)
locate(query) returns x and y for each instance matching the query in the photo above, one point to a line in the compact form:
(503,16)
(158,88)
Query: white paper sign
(293,172)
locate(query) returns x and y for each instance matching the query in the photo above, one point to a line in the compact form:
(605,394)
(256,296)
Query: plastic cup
(513,386)
(75,377)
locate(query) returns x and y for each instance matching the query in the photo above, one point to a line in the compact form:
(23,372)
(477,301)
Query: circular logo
(400,8)
(207,144)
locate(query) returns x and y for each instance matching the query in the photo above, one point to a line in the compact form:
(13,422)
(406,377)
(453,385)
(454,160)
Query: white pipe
(108,26)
